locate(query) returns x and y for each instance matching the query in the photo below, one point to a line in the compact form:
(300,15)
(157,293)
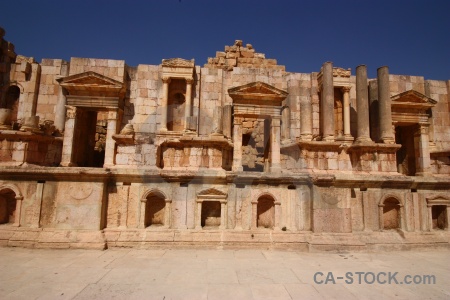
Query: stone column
(275,157)
(423,161)
(164,103)
(110,144)
(327,101)
(223,219)
(18,212)
(167,213)
(286,124)
(362,102)
(237,145)
(188,106)
(254,214)
(217,121)
(346,92)
(60,115)
(277,215)
(198,219)
(227,116)
(306,118)
(384,103)
(69,132)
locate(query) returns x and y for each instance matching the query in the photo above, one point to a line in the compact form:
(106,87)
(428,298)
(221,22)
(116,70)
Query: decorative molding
(341,72)
(178,62)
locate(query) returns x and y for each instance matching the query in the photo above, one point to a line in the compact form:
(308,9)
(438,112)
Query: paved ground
(217,274)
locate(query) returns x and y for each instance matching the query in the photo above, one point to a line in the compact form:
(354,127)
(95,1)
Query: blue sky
(411,37)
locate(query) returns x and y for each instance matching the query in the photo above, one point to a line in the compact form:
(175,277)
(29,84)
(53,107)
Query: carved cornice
(341,72)
(178,62)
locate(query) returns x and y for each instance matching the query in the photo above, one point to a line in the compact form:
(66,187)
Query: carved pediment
(89,79)
(212,192)
(412,99)
(264,93)
(90,89)
(178,62)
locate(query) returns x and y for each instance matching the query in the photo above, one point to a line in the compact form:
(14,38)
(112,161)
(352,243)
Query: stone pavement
(216,274)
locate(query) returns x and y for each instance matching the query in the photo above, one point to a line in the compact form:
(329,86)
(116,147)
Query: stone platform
(214,274)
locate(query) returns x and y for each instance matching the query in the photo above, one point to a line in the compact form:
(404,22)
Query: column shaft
(384,102)
(237,144)
(164,103)
(423,161)
(306,118)
(188,106)
(69,133)
(110,144)
(346,104)
(327,102)
(227,117)
(275,159)
(286,124)
(362,102)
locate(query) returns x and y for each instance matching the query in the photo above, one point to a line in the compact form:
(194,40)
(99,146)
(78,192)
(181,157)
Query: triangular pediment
(257,88)
(260,91)
(89,79)
(412,99)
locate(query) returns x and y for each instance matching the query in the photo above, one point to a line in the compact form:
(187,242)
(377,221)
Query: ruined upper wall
(239,56)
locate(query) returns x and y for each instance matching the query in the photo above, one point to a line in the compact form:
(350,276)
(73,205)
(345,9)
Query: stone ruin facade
(238,153)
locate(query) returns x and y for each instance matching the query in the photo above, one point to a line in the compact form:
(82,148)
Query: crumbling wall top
(239,56)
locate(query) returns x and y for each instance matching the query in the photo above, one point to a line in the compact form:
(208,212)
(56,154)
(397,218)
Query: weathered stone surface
(238,153)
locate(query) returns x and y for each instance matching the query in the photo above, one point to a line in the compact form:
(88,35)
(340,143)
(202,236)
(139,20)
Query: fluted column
(384,102)
(362,102)
(164,103)
(327,102)
(275,139)
(167,213)
(346,92)
(188,106)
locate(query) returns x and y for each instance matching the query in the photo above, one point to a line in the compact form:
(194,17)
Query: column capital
(346,89)
(166,79)
(189,80)
(112,114)
(237,120)
(71,112)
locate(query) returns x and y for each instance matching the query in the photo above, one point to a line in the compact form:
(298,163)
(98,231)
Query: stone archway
(10,204)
